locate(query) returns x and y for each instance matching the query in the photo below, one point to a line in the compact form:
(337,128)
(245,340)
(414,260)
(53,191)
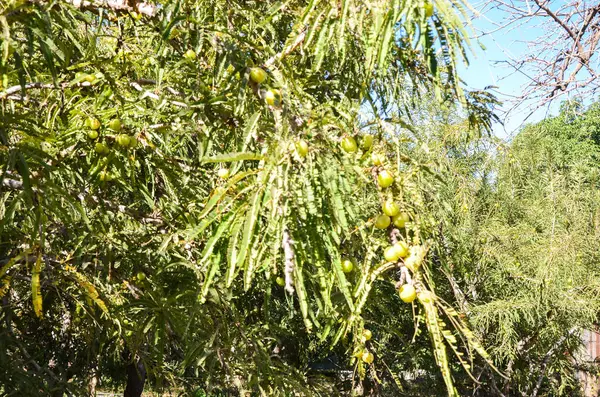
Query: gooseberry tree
(184,182)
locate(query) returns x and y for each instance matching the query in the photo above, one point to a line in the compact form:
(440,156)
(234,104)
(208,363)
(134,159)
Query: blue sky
(484,69)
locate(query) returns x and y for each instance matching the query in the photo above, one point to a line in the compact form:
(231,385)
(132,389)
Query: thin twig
(289,261)
(287,50)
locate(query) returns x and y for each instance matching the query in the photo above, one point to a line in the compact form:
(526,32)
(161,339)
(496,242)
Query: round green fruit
(90,78)
(400,219)
(92,134)
(101,148)
(402,249)
(141,276)
(133,142)
(367,335)
(377,159)
(258,75)
(407,293)
(302,148)
(347,266)
(367,142)
(93,123)
(390,208)
(385,179)
(106,176)
(115,125)
(223,173)
(273,98)
(123,140)
(382,221)
(391,253)
(349,144)
(190,55)
(367,357)
(280,281)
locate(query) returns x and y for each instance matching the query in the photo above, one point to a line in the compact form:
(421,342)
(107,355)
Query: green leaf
(336,265)
(212,242)
(216,263)
(232,250)
(36,288)
(248,236)
(302,296)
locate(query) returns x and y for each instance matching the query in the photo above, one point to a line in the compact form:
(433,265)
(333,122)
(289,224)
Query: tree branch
(546,360)
(122,6)
(561,60)
(137,85)
(91,199)
(289,261)
(557,19)
(287,50)
(17,88)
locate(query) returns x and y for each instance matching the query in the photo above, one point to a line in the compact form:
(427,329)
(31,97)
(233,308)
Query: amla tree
(166,163)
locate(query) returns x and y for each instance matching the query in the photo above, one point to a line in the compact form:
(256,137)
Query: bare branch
(562,59)
(556,19)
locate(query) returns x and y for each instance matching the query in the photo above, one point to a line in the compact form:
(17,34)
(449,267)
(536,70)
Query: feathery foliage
(157,178)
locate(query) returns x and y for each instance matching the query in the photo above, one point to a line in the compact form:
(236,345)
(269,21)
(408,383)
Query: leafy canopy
(165,231)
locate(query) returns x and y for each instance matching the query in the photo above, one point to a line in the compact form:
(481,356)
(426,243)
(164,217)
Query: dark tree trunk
(136,377)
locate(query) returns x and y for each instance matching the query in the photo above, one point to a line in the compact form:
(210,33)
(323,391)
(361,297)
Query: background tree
(521,245)
(561,38)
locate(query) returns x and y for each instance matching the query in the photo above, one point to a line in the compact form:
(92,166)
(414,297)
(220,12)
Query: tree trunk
(136,377)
